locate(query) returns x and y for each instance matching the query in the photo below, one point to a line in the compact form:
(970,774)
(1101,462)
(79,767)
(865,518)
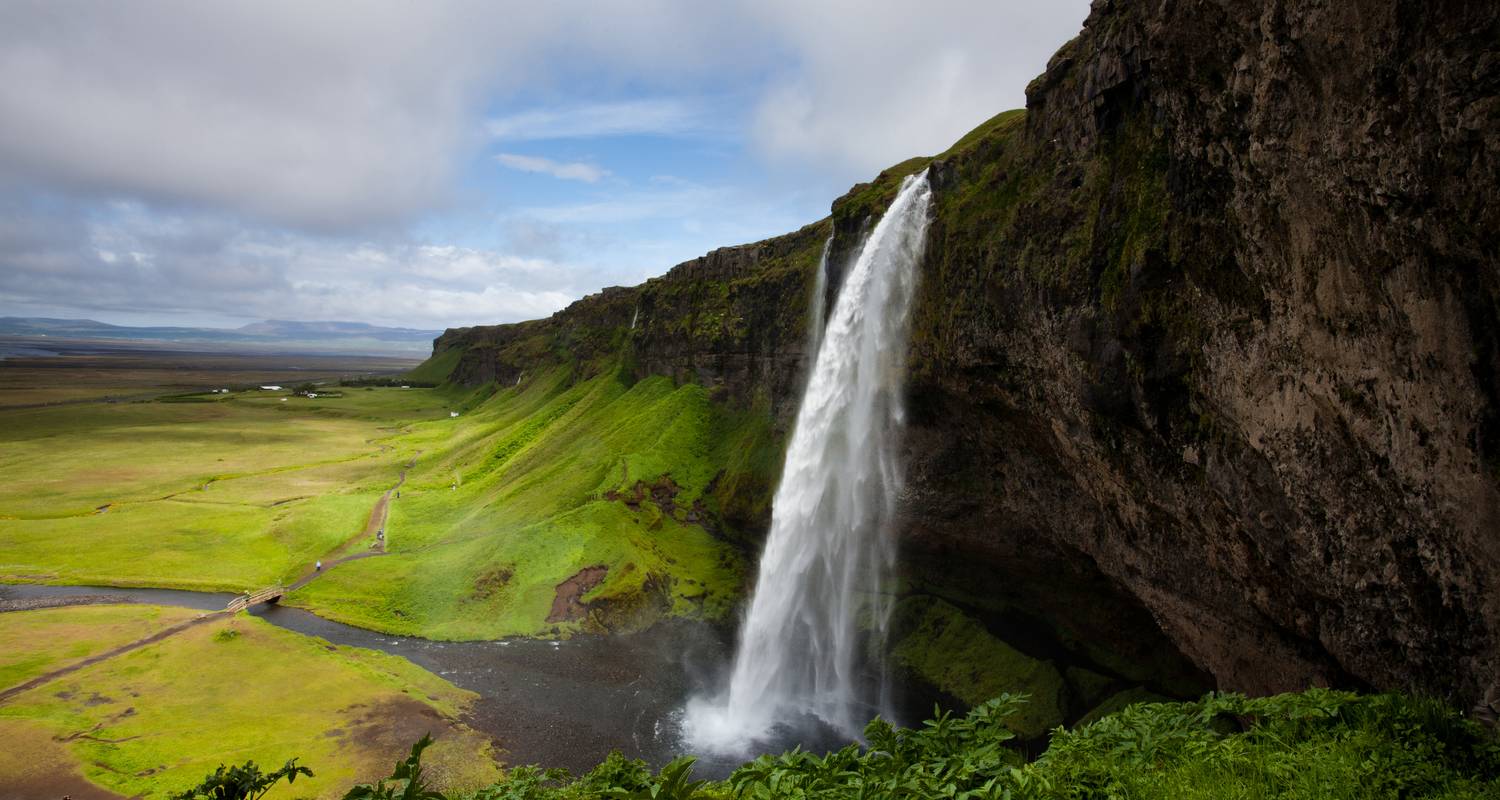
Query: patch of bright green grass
(437,368)
(553,477)
(36,642)
(159,718)
(69,460)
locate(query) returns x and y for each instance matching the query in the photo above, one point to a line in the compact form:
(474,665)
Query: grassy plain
(529,486)
(36,642)
(94,370)
(231,492)
(233,689)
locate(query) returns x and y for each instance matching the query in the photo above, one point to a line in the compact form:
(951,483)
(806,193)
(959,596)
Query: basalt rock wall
(1206,355)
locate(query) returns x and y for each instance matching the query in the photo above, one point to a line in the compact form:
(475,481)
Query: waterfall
(634,317)
(816,311)
(829,549)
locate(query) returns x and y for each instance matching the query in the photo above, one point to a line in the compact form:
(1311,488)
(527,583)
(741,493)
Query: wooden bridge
(244,601)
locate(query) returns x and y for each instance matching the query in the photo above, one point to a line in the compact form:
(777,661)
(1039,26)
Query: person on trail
(318,567)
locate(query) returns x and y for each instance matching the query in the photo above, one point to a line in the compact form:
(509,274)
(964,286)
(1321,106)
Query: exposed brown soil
(491,582)
(395,724)
(663,492)
(388,729)
(52,784)
(568,604)
(373,525)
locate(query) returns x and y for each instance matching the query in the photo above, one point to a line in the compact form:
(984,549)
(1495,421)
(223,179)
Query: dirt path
(32,604)
(108,654)
(373,525)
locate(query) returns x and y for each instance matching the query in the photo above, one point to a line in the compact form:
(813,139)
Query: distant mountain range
(354,337)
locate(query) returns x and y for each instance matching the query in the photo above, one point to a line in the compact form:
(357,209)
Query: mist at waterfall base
(801,666)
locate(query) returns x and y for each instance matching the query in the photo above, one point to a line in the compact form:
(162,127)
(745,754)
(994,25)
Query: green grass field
(527,487)
(37,642)
(235,492)
(157,719)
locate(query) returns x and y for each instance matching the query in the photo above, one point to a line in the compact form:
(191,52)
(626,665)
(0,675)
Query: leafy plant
(1314,745)
(674,782)
(407,781)
(245,782)
(525,783)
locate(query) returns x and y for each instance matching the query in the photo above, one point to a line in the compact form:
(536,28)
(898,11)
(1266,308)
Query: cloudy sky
(434,164)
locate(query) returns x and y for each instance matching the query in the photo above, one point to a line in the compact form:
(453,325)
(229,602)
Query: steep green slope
(560,506)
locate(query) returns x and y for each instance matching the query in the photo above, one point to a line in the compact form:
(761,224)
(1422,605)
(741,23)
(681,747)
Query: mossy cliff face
(1205,360)
(1216,325)
(733,320)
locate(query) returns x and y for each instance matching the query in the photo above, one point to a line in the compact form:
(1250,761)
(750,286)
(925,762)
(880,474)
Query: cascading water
(817,309)
(829,549)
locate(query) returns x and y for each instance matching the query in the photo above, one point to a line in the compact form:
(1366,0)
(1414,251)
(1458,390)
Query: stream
(560,703)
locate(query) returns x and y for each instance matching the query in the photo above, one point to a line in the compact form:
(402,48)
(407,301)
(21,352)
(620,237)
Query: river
(561,703)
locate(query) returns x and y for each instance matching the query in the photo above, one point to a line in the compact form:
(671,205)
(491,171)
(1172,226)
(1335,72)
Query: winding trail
(375,523)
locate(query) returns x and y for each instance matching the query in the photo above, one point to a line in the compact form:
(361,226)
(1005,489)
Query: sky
(441,164)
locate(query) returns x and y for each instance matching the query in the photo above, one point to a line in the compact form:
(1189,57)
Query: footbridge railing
(244,601)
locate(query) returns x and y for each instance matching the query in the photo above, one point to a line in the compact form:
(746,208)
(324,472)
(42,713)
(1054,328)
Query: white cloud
(875,84)
(675,201)
(245,156)
(126,262)
(565,170)
(655,116)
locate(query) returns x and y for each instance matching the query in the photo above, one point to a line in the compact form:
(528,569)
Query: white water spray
(829,549)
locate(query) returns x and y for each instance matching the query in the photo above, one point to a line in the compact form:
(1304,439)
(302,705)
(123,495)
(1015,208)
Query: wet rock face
(1236,339)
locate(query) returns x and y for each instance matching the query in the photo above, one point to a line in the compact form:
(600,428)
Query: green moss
(938,643)
(1001,124)
(1086,687)
(1120,701)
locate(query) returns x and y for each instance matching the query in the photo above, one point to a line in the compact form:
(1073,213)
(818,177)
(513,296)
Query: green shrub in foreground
(1309,745)
(1313,744)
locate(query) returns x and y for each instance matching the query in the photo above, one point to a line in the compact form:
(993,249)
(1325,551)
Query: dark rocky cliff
(1207,350)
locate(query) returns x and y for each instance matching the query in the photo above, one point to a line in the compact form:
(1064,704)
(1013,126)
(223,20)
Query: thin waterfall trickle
(817,309)
(829,550)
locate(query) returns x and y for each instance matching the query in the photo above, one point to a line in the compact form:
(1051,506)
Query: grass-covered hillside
(561,503)
(558,505)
